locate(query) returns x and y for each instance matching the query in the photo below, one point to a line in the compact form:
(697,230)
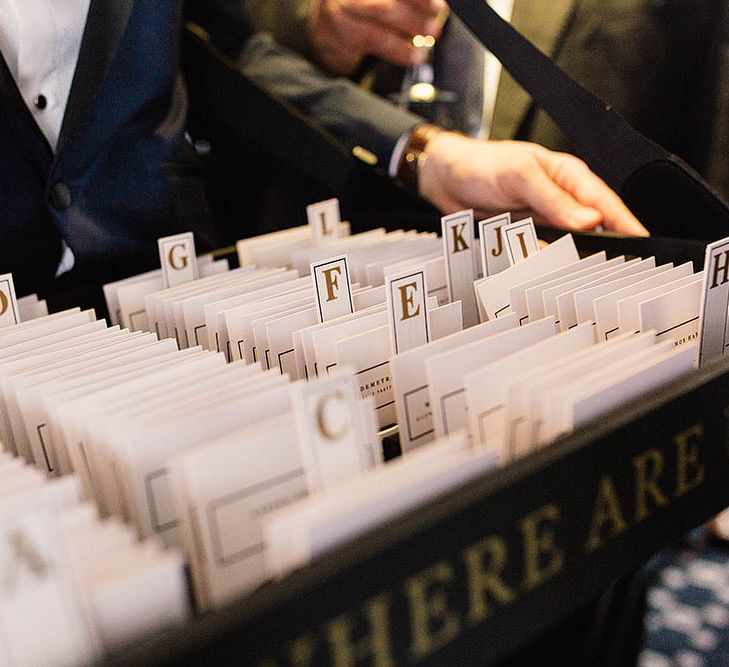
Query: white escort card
(368,355)
(526,297)
(486,395)
(31,307)
(570,408)
(585,298)
(412,392)
(458,242)
(527,389)
(714,337)
(446,371)
(606,306)
(177,257)
(674,315)
(629,308)
(222,492)
(493,256)
(565,300)
(551,295)
(300,532)
(494,292)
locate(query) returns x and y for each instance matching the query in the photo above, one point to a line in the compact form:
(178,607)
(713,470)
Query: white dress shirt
(40,41)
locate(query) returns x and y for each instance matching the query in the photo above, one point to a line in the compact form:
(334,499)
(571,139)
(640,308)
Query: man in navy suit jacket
(121,173)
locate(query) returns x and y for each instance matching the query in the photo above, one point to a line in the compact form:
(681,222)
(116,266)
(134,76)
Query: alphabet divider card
(238,435)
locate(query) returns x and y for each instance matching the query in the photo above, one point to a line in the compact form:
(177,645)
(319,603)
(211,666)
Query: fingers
(557,189)
(342,32)
(389,45)
(555,206)
(575,177)
(402,17)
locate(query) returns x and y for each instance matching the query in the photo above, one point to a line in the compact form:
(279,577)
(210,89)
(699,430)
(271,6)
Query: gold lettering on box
(482,580)
(4,303)
(376,646)
(542,558)
(690,472)
(607,513)
(301,651)
(428,598)
(648,467)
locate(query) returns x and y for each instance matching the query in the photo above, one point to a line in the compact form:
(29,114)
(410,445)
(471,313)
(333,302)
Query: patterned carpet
(687,622)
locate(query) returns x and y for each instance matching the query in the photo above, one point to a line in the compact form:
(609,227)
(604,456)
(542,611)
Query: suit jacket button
(60,196)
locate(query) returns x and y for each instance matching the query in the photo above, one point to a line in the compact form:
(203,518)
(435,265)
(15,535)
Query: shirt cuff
(397,152)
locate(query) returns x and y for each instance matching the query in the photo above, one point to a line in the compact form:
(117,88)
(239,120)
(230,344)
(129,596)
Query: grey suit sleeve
(286,20)
(357,117)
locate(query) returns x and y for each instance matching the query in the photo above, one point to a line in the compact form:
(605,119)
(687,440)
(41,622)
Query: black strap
(665,193)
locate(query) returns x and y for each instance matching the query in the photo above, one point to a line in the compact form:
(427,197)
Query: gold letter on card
(459,243)
(496,252)
(332,281)
(4,303)
(177,261)
(407,301)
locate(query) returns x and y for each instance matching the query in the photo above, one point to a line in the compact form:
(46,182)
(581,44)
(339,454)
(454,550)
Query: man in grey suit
(663,64)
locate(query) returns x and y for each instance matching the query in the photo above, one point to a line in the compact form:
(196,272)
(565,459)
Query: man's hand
(343,32)
(557,189)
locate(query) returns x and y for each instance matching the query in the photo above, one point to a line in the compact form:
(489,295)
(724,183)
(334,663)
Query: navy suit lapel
(11,93)
(105,25)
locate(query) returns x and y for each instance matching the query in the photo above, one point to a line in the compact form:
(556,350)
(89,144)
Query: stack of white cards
(331,310)
(233,424)
(89,584)
(124,415)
